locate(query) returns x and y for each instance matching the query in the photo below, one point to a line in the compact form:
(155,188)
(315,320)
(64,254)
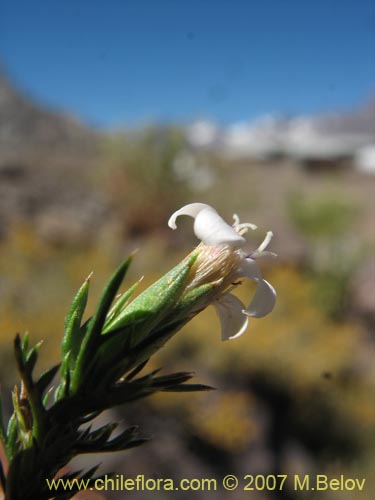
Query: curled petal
(209,227)
(192,210)
(248,268)
(263,301)
(233,322)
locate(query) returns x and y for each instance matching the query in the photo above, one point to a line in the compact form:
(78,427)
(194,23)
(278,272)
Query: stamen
(236,220)
(256,254)
(243,228)
(265,242)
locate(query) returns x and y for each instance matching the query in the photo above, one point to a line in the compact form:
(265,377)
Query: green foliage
(101,358)
(324,217)
(326,221)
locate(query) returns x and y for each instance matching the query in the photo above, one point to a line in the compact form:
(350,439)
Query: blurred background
(113,114)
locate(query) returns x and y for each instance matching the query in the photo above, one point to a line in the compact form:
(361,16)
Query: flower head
(223,261)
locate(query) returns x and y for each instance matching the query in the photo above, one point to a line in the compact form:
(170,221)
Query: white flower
(222,258)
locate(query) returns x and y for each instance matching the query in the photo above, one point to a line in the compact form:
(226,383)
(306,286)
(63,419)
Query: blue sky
(114,62)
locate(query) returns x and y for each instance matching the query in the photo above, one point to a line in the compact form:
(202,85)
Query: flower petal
(263,301)
(212,230)
(209,227)
(248,268)
(192,210)
(233,322)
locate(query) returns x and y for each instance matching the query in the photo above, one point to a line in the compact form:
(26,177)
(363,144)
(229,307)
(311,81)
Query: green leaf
(90,416)
(94,330)
(145,311)
(63,388)
(188,305)
(25,343)
(79,300)
(103,432)
(12,434)
(148,347)
(171,380)
(72,338)
(93,442)
(18,411)
(121,302)
(128,357)
(136,370)
(47,397)
(32,357)
(127,439)
(98,320)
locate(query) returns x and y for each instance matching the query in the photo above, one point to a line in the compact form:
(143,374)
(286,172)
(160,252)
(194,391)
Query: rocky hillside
(27,127)
(46,160)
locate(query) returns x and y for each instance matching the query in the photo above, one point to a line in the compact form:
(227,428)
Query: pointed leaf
(79,300)
(190,301)
(89,417)
(46,378)
(121,302)
(73,335)
(12,433)
(171,380)
(47,397)
(94,330)
(97,322)
(103,433)
(126,445)
(145,311)
(63,388)
(136,370)
(32,357)
(25,343)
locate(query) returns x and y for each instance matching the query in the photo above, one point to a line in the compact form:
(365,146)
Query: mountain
(358,121)
(47,161)
(27,127)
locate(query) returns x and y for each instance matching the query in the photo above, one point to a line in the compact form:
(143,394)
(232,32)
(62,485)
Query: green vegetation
(324,218)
